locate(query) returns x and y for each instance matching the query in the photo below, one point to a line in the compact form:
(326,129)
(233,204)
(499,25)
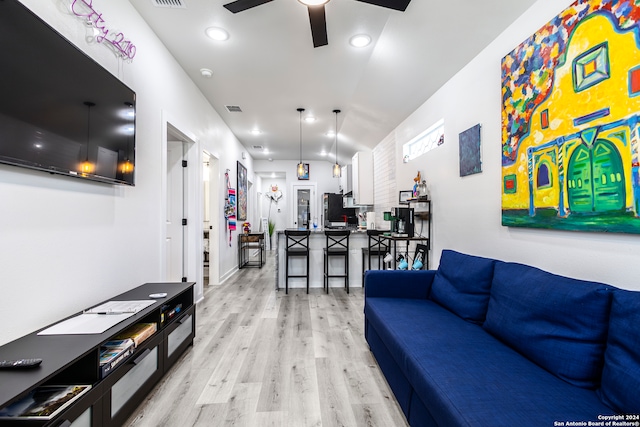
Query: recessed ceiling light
(309,119)
(255,131)
(323,153)
(313,2)
(331,134)
(206,73)
(217,33)
(360,40)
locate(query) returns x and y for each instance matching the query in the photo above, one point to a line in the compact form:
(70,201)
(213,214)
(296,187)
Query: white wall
(67,244)
(467,211)
(320,173)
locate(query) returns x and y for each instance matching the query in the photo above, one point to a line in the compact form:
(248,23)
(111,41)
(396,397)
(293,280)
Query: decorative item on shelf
(402,263)
(246,227)
(422,191)
(416,181)
(405,196)
(337,170)
(417,263)
(300,170)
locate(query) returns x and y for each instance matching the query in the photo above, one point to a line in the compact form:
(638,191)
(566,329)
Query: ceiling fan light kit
(317,17)
(313,2)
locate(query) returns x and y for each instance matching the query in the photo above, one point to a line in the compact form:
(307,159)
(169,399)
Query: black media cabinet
(74,359)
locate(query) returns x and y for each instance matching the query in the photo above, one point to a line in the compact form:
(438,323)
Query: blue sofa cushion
(621,373)
(466,377)
(462,284)
(557,322)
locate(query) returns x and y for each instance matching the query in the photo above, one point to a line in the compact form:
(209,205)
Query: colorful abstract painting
(570,119)
(470,155)
(242,192)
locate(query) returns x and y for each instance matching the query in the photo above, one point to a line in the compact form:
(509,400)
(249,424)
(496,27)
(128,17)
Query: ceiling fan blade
(318,21)
(240,5)
(400,5)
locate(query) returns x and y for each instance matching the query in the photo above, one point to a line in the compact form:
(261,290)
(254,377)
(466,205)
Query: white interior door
(174,243)
(303,205)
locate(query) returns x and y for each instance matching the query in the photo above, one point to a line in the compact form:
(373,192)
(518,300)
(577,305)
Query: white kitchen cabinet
(362,178)
(346,179)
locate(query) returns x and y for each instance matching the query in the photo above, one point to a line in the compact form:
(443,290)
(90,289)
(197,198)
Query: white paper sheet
(115,307)
(86,323)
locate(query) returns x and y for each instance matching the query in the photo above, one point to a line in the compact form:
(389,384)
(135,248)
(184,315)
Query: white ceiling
(269,67)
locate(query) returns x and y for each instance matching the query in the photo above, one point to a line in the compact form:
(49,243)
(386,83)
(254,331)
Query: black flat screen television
(60,111)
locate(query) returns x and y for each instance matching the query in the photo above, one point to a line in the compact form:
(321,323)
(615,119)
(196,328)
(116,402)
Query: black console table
(74,360)
(246,244)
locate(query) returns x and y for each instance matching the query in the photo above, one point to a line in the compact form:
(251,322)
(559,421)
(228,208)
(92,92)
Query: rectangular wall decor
(570,120)
(470,154)
(242,192)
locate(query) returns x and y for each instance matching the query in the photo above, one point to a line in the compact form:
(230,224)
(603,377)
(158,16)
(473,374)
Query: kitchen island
(317,242)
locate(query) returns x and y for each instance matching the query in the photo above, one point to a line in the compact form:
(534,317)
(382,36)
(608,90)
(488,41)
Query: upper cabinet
(346,180)
(362,178)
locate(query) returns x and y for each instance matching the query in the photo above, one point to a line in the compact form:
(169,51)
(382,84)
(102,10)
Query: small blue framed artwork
(470,158)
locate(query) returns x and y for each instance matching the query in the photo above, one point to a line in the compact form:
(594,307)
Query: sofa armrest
(398,283)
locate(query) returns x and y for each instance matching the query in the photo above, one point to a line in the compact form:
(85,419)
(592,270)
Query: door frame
(313,202)
(193,207)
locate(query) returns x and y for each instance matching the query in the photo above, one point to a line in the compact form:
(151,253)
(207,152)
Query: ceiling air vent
(258,147)
(177,4)
(233,108)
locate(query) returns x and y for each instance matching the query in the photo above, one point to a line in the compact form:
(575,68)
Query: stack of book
(114,353)
(139,332)
(44,402)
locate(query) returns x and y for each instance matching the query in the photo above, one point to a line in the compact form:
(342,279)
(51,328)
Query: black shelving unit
(248,243)
(74,359)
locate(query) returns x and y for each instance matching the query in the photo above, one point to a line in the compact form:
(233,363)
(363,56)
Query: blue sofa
(481,342)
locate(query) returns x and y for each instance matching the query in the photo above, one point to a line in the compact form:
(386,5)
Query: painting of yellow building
(570,118)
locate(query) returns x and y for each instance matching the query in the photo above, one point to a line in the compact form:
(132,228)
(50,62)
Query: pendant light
(87,167)
(337,171)
(300,171)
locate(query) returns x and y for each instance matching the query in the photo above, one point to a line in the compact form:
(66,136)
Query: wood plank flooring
(263,358)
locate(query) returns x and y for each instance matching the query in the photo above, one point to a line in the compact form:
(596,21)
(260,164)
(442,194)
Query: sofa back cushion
(621,372)
(462,284)
(557,322)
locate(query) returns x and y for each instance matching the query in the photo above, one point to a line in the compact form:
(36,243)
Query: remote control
(21,363)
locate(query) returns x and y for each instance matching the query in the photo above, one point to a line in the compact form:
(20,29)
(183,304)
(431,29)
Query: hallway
(263,358)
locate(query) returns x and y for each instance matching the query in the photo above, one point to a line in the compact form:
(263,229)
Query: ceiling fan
(317,17)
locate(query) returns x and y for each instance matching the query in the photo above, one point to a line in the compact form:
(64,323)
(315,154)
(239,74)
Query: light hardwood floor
(263,358)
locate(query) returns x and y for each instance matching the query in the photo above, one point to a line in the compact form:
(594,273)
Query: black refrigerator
(333,212)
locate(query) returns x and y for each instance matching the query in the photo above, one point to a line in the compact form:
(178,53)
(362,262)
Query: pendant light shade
(337,170)
(300,170)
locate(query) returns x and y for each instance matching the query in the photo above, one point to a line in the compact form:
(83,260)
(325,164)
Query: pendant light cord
(336,134)
(300,110)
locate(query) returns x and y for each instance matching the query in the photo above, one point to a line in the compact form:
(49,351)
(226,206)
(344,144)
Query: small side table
(246,244)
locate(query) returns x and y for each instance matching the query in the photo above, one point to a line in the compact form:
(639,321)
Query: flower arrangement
(246,227)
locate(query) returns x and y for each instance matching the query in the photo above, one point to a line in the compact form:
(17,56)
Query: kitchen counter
(317,241)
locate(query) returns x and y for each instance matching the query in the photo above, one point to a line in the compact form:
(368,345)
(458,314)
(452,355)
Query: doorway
(181,235)
(211,223)
(304,205)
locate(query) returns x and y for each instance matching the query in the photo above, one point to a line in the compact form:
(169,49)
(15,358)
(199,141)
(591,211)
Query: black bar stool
(377,247)
(297,246)
(337,245)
